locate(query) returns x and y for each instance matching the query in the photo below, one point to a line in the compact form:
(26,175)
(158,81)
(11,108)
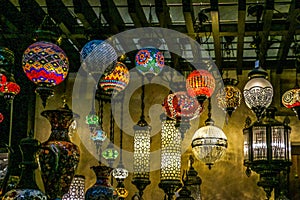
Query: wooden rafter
(267,22)
(85,13)
(241,34)
(137,14)
(288,37)
(163,13)
(216,31)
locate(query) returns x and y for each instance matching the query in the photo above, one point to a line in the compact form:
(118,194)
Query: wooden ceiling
(219,26)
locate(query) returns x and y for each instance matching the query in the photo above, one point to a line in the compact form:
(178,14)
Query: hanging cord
(111,129)
(142,99)
(121,130)
(257,40)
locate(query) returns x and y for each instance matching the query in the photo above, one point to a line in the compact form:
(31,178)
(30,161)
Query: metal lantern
(209,142)
(98,56)
(267,149)
(47,65)
(258,92)
(141,150)
(291,99)
(170,157)
(76,191)
(200,84)
(149,62)
(117,80)
(229,97)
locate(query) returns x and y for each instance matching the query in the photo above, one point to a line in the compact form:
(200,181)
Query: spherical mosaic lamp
(291,99)
(200,84)
(149,62)
(116,81)
(46,65)
(98,56)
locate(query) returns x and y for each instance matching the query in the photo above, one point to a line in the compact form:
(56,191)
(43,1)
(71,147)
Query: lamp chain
(257,33)
(100,102)
(142,98)
(209,109)
(121,129)
(111,128)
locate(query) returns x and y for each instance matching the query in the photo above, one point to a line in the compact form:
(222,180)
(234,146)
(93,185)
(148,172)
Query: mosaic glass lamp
(46,65)
(229,97)
(209,142)
(76,191)
(98,56)
(8,87)
(149,62)
(258,91)
(182,108)
(291,100)
(117,80)
(200,84)
(170,177)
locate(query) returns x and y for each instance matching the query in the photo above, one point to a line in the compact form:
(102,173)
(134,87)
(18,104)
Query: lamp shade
(98,134)
(45,63)
(98,56)
(258,92)
(117,80)
(180,105)
(229,97)
(291,99)
(149,61)
(8,87)
(209,143)
(201,84)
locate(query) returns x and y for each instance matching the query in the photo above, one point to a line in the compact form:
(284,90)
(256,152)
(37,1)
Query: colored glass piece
(200,83)
(98,56)
(180,105)
(91,119)
(115,81)
(149,61)
(110,154)
(98,135)
(291,99)
(1,117)
(45,63)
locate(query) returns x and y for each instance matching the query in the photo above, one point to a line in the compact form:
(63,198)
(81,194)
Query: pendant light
(209,142)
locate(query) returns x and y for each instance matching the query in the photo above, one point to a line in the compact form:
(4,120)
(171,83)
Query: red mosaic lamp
(8,87)
(46,65)
(200,84)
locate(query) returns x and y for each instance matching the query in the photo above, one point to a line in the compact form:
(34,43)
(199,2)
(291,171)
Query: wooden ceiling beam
(288,36)
(137,14)
(264,35)
(85,13)
(216,31)
(112,16)
(189,18)
(240,34)
(163,13)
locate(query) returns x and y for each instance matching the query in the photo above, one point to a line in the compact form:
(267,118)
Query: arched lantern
(98,56)
(229,97)
(258,92)
(291,99)
(200,84)
(209,142)
(267,149)
(117,80)
(46,65)
(182,108)
(149,62)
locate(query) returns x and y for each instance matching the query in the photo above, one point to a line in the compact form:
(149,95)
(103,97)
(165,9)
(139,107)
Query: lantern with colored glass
(98,56)
(149,62)
(116,81)
(200,84)
(291,99)
(8,87)
(182,108)
(258,91)
(229,97)
(47,65)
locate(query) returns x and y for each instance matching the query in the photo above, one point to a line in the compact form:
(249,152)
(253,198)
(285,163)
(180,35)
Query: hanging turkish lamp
(8,87)
(120,173)
(98,56)
(149,62)
(1,117)
(209,142)
(229,97)
(258,91)
(200,84)
(116,81)
(141,150)
(76,190)
(46,65)
(182,108)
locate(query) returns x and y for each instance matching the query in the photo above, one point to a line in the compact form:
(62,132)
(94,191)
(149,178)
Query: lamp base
(44,93)
(170,187)
(141,184)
